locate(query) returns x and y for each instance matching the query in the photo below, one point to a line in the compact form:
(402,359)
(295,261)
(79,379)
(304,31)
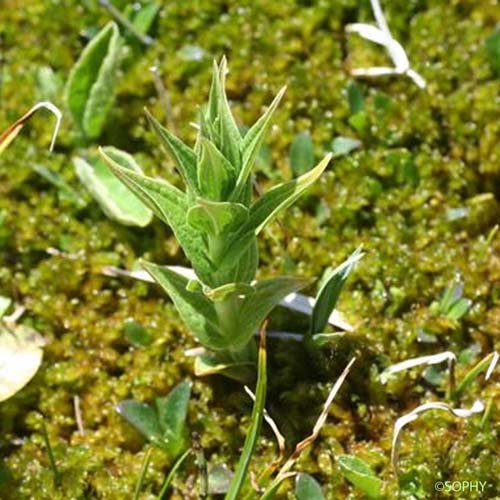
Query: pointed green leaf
(282,196)
(143,417)
(115,200)
(215,173)
(329,292)
(171,206)
(252,143)
(485,365)
(256,307)
(144,18)
(97,68)
(301,154)
(267,207)
(458,309)
(102,93)
(219,114)
(183,156)
(307,488)
(172,413)
(360,475)
(215,218)
(196,310)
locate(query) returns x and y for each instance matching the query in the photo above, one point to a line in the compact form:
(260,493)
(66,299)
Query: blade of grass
(53,466)
(256,421)
(142,474)
(487,365)
(171,474)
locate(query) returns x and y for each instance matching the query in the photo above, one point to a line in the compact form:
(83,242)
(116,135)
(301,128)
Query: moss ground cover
(421,195)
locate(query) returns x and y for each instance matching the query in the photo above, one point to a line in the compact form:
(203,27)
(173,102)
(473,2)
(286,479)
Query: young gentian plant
(217,223)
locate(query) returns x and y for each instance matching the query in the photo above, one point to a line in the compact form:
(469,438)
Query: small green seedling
(90,90)
(360,474)
(452,304)
(163,423)
(326,299)
(217,223)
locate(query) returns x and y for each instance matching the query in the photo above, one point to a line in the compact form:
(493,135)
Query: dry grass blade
(432,359)
(401,422)
(10,134)
(382,36)
(284,472)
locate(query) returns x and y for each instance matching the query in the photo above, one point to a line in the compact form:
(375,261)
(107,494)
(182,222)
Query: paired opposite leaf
(215,173)
(89,92)
(219,114)
(196,310)
(115,199)
(172,414)
(164,423)
(256,307)
(330,290)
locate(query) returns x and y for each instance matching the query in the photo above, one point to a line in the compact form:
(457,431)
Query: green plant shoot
(217,222)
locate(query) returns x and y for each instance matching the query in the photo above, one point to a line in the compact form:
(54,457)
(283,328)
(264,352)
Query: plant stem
(142,474)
